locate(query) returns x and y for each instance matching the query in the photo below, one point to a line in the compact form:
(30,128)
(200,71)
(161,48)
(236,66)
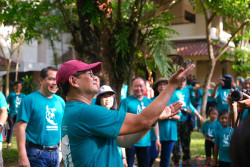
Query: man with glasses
(91,133)
(39,123)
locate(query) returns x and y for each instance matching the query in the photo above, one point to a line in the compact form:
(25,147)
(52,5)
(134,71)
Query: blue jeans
(142,154)
(166,150)
(153,153)
(42,158)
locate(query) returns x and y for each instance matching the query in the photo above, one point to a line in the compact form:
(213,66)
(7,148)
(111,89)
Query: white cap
(104,89)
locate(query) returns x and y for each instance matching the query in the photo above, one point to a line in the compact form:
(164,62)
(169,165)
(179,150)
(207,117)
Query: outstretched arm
(143,121)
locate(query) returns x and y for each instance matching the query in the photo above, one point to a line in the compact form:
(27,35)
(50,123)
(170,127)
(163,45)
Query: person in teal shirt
(135,104)
(91,133)
(236,106)
(222,141)
(3,118)
(168,127)
(106,97)
(184,124)
(221,91)
(14,100)
(208,130)
(39,123)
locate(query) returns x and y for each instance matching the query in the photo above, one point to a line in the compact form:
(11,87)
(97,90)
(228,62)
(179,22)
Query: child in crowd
(208,130)
(222,141)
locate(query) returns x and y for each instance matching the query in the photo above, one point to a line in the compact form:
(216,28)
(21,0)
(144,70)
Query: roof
(2,62)
(196,47)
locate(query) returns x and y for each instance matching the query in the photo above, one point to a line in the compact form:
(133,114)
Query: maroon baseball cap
(71,67)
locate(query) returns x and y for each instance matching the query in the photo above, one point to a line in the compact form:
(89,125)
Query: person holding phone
(221,91)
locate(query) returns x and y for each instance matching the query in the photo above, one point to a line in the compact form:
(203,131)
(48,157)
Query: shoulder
(60,99)
(31,97)
(129,98)
(22,94)
(12,94)
(2,95)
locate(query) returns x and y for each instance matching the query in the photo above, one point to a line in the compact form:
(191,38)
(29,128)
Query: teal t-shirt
(3,104)
(93,101)
(14,101)
(222,139)
(210,128)
(124,91)
(245,114)
(132,105)
(221,99)
(209,98)
(43,117)
(168,127)
(184,97)
(89,135)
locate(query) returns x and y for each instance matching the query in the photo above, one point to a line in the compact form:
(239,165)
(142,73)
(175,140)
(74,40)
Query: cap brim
(105,92)
(95,67)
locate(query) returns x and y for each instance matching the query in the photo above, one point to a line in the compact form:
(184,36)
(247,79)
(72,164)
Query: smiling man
(135,104)
(39,123)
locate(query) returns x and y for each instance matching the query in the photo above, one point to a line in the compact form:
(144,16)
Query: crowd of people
(91,129)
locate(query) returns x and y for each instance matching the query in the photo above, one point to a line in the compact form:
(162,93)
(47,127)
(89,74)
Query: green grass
(197,144)
(10,156)
(197,149)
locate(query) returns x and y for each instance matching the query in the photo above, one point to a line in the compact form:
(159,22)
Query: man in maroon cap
(91,133)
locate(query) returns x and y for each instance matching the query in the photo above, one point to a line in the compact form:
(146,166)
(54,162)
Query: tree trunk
(8,78)
(205,90)
(54,52)
(17,65)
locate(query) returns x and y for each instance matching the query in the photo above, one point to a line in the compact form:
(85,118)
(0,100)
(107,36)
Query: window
(190,17)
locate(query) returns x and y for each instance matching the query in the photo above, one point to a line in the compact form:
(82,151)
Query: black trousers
(11,121)
(224,164)
(209,147)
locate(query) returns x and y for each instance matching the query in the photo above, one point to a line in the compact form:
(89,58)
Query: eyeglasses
(83,72)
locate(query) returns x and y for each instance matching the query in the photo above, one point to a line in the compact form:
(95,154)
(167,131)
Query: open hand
(180,75)
(171,110)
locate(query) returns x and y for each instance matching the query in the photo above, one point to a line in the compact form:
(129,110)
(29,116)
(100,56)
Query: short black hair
(44,71)
(212,109)
(17,82)
(223,112)
(139,78)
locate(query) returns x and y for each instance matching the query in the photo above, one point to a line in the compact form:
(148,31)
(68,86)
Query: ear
(40,80)
(73,81)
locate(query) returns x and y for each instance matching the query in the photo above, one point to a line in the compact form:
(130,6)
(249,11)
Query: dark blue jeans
(142,154)
(42,158)
(166,150)
(153,153)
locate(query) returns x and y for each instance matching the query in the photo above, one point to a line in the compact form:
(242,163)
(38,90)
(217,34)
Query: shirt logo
(210,132)
(140,108)
(225,140)
(18,101)
(50,115)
